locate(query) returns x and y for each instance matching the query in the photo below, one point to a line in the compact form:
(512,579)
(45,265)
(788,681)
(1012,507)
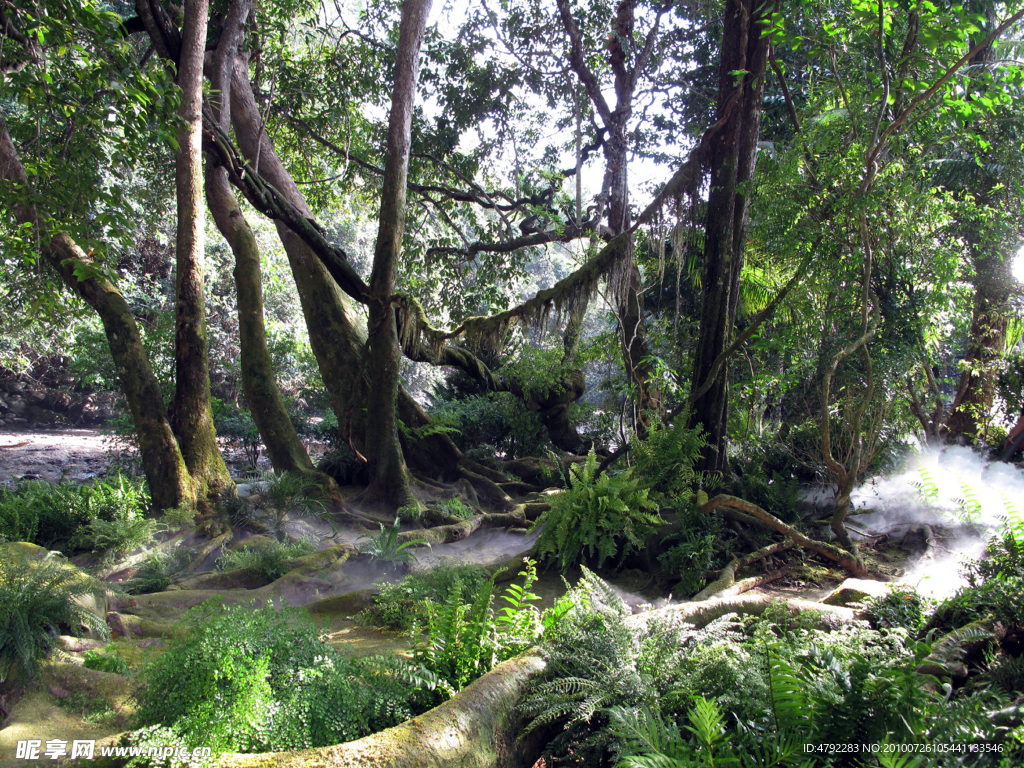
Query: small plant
(271,561)
(901,607)
(455,507)
(388,548)
(409,513)
(397,606)
(664,460)
(178,518)
(116,538)
(596,518)
(968,507)
(290,494)
(106,662)
(927,488)
(161,569)
(38,599)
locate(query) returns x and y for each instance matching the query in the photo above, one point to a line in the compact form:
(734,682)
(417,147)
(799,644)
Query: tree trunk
(389,477)
(169,481)
(191,415)
(287,453)
(733,157)
(334,336)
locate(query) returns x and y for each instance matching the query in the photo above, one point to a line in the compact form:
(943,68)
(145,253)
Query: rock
(245,490)
(16,407)
(856,591)
(118,626)
(81,644)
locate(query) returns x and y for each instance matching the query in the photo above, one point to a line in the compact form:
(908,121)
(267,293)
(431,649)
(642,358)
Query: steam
(956,491)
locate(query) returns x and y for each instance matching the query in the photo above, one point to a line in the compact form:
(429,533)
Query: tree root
(727,578)
(703,613)
(849,561)
(475,729)
(487,490)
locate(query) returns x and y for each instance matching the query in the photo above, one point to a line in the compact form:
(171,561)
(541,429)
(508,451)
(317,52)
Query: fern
(927,489)
(596,519)
(36,598)
(666,457)
(968,507)
(1013,525)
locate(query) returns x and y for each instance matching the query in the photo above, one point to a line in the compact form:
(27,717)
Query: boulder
(856,591)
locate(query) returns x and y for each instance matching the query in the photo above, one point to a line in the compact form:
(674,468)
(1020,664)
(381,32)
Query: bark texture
(191,414)
(389,477)
(733,157)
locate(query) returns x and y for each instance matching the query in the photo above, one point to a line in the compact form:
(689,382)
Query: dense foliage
(258,679)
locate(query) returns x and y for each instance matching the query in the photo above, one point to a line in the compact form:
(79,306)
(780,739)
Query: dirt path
(68,454)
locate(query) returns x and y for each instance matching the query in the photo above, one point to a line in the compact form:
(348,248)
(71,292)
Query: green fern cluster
(664,460)
(597,518)
(40,599)
(596,662)
(464,640)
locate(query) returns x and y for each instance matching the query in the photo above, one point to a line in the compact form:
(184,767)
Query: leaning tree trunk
(334,335)
(733,157)
(389,477)
(191,414)
(287,453)
(169,481)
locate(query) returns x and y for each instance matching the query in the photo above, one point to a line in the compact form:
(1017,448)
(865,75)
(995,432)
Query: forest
(512,383)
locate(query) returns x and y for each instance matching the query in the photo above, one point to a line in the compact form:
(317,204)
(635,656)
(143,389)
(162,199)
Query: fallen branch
(727,577)
(850,562)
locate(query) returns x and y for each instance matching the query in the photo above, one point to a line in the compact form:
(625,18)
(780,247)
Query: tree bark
(286,451)
(169,481)
(733,157)
(389,477)
(191,414)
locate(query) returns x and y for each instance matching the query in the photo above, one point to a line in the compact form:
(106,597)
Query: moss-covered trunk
(733,155)
(169,481)
(334,335)
(191,414)
(389,478)
(286,451)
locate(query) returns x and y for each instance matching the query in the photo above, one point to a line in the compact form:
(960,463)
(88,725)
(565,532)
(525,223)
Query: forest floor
(65,706)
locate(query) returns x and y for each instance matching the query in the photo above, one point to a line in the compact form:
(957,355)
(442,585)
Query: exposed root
(487,490)
(727,578)
(850,562)
(700,614)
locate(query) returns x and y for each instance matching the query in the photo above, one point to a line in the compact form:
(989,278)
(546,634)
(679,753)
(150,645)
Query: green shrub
(52,514)
(271,561)
(901,607)
(106,662)
(116,538)
(596,518)
(344,466)
(258,679)
(455,507)
(38,601)
(664,460)
(397,606)
(464,636)
(161,569)
(498,422)
(777,492)
(597,661)
(237,428)
(290,494)
(388,548)
(690,556)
